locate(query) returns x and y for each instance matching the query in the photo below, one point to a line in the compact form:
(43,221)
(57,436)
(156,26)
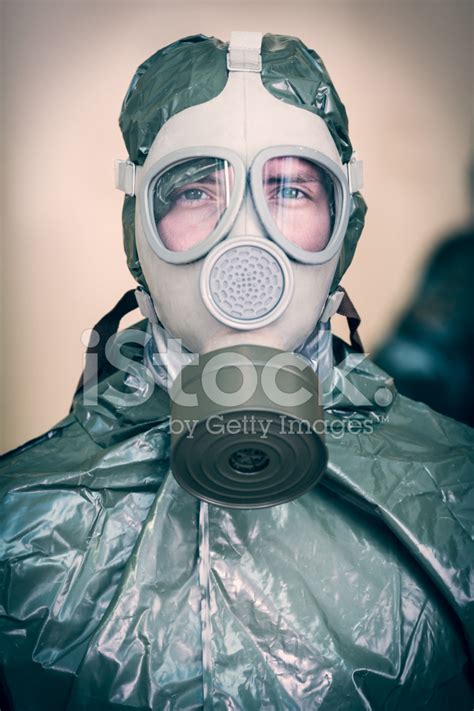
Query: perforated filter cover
(246,282)
(291,464)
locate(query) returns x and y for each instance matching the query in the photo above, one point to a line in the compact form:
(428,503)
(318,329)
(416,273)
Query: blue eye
(193,194)
(289,193)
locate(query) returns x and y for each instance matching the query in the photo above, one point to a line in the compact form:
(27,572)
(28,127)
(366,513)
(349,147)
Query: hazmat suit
(125,587)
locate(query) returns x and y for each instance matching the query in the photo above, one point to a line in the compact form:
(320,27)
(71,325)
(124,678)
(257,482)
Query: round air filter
(261,449)
(246,283)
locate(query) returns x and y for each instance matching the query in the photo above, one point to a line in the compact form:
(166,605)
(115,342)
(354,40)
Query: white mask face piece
(242,208)
(232,260)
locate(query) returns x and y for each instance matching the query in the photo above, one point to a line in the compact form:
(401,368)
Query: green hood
(192,71)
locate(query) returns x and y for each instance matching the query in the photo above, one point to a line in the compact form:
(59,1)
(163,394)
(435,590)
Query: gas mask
(242,206)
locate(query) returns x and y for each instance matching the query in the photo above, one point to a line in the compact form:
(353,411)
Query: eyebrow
(297,178)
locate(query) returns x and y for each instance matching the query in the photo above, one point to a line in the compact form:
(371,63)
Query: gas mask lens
(189,200)
(299,195)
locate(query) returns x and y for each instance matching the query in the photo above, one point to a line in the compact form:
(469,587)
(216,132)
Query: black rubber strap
(347,309)
(98,367)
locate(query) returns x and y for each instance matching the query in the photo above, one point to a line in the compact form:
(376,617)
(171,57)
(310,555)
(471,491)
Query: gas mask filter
(243,204)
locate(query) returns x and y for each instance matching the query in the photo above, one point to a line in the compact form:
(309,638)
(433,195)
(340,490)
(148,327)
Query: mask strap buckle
(146,306)
(125,176)
(244,52)
(355,175)
(339,303)
(332,305)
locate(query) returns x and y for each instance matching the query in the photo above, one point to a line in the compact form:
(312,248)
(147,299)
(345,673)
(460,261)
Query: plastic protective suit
(119,590)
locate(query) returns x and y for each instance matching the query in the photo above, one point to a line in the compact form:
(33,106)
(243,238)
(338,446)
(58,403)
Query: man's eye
(289,193)
(193,194)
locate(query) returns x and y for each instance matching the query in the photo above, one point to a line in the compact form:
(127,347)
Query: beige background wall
(403,69)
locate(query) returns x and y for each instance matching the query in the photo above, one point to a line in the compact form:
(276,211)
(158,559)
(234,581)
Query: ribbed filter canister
(246,431)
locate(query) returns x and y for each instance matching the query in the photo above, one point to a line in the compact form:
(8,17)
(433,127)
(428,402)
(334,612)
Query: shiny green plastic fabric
(192,71)
(118,590)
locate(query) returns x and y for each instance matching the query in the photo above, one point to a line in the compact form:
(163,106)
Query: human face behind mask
(196,194)
(297,193)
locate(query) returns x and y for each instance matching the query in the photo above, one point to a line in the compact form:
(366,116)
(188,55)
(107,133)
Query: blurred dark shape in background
(431,352)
